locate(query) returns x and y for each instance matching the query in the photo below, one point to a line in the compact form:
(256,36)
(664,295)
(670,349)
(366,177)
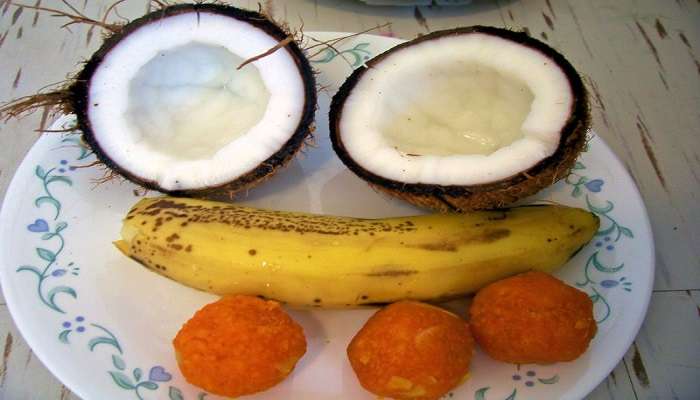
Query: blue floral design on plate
(610,236)
(359,55)
(521,381)
(52,275)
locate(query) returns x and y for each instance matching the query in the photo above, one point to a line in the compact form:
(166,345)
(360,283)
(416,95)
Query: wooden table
(640,58)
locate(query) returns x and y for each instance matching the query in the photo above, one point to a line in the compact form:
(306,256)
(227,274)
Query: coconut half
(463,119)
(164,103)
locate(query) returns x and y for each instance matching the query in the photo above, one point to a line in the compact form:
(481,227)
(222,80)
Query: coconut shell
(78,98)
(498,194)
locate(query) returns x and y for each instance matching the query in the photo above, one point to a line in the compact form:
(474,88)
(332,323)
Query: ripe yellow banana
(317,260)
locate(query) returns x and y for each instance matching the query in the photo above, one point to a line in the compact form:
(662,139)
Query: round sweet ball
(239,345)
(532,318)
(411,350)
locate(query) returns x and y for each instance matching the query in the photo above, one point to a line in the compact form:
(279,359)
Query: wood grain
(665,358)
(640,59)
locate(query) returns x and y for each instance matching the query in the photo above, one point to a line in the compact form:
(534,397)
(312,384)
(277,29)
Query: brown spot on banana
(237,216)
(166,204)
(487,236)
(392,273)
(442,246)
(498,216)
(491,235)
(140,261)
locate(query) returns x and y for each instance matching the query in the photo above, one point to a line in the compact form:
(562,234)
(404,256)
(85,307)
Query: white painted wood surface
(641,59)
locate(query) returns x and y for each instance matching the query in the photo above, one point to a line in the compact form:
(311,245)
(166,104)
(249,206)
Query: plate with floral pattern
(104,325)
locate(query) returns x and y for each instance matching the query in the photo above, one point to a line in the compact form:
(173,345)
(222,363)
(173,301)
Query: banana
(327,261)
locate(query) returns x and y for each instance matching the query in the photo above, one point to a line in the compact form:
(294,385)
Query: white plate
(103,324)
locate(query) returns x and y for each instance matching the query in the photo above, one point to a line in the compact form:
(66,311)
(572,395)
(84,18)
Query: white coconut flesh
(190,101)
(456,110)
(169,105)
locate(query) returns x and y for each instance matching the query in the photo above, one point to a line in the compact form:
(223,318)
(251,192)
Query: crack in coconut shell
(451,198)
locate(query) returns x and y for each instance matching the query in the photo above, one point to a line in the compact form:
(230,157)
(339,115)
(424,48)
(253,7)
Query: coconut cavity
(456,110)
(188,102)
(459,108)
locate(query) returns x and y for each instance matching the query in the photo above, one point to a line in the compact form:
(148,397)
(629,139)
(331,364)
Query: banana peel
(328,261)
